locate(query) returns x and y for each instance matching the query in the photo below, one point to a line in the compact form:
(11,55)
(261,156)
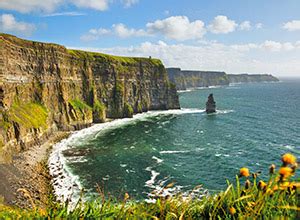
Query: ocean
(254,125)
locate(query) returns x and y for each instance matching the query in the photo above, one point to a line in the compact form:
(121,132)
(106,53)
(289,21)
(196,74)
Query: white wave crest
(154,174)
(173,152)
(158,160)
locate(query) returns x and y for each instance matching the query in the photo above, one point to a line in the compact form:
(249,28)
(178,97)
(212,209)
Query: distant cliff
(46,87)
(191,79)
(250,78)
(184,79)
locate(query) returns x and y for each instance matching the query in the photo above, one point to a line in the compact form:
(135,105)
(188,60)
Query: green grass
(91,56)
(77,104)
(28,115)
(277,198)
(82,110)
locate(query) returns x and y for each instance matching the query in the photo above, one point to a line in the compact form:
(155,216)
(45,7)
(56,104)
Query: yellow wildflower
(232,210)
(284,185)
(288,159)
(270,192)
(244,172)
(275,188)
(285,172)
(42,212)
(262,185)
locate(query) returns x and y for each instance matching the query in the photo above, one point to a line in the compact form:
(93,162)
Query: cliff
(251,78)
(191,79)
(46,87)
(184,79)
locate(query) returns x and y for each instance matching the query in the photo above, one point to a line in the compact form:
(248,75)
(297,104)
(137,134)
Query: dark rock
(210,104)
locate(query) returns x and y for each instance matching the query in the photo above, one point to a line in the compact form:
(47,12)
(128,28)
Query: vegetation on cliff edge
(29,115)
(251,198)
(111,58)
(82,110)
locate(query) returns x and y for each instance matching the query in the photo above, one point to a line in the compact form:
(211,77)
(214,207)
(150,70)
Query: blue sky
(256,36)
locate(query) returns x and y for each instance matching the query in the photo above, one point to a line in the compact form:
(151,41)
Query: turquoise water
(255,124)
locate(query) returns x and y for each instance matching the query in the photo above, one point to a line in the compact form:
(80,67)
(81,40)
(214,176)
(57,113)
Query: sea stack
(210,104)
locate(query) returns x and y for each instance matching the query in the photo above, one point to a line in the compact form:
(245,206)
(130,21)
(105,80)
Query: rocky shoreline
(27,175)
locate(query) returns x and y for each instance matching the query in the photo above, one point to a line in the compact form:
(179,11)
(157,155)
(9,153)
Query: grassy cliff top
(28,43)
(78,53)
(121,59)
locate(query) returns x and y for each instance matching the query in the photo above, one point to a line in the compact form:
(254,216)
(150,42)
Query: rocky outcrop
(191,79)
(184,79)
(251,78)
(210,104)
(46,87)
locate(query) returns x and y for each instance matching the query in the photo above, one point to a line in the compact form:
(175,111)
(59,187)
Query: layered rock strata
(46,87)
(184,79)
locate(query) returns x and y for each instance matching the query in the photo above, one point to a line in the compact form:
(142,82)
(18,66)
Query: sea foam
(66,185)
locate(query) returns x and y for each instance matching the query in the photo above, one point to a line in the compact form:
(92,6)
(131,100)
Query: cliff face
(45,87)
(191,79)
(250,78)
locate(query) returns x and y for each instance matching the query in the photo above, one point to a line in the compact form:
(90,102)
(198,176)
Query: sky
(235,36)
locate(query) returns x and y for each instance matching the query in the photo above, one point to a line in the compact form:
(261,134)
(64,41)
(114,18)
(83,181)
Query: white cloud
(222,25)
(267,46)
(8,23)
(259,26)
(244,47)
(292,25)
(252,58)
(122,31)
(129,3)
(26,6)
(95,34)
(119,30)
(100,5)
(177,28)
(67,13)
(245,26)
(272,46)
(288,46)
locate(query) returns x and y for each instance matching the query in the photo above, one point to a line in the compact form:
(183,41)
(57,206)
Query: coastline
(189,89)
(28,173)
